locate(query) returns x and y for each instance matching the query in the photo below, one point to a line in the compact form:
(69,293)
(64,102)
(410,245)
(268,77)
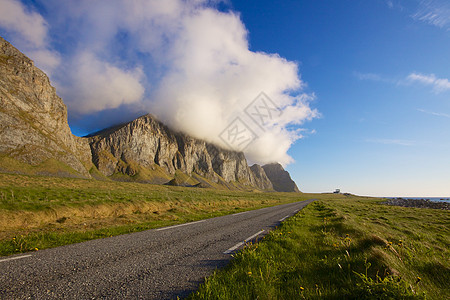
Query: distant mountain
(151,152)
(35,139)
(281,180)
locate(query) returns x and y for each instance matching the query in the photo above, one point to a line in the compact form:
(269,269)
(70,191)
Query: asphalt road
(155,264)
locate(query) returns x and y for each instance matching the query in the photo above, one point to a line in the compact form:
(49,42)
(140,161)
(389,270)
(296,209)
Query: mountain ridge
(35,138)
(146,142)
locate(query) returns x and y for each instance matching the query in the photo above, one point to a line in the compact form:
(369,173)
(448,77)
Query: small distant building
(337,191)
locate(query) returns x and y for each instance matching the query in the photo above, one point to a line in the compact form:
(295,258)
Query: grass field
(337,247)
(350,248)
(39,212)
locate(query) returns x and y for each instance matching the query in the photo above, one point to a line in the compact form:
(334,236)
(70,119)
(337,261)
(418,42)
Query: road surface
(160,263)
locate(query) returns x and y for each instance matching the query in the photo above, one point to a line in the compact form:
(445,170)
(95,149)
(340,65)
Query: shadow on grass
(336,227)
(323,210)
(335,276)
(438,273)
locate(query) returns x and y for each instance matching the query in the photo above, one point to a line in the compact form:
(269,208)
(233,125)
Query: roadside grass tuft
(342,249)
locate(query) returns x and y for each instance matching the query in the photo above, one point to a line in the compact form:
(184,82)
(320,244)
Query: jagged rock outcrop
(33,119)
(230,165)
(260,177)
(149,143)
(281,180)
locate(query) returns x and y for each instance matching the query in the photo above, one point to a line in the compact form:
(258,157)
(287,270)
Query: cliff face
(146,142)
(33,126)
(281,180)
(260,176)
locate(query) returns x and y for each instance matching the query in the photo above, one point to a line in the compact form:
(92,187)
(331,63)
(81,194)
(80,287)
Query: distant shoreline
(420,203)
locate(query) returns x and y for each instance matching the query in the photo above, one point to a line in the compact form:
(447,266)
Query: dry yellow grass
(31,205)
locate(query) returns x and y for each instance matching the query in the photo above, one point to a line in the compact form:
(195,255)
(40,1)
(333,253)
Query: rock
(260,178)
(281,180)
(148,143)
(33,119)
(230,165)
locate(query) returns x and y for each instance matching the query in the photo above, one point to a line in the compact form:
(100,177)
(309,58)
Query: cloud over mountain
(187,62)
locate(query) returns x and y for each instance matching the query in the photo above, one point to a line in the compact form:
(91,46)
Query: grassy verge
(343,249)
(41,212)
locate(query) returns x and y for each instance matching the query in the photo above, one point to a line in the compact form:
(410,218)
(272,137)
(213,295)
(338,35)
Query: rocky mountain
(281,180)
(35,138)
(148,148)
(33,121)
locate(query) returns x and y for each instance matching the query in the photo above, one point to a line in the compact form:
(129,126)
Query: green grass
(350,248)
(42,212)
(47,167)
(181,178)
(338,247)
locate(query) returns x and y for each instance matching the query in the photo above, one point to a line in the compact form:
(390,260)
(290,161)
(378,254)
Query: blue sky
(363,85)
(380,133)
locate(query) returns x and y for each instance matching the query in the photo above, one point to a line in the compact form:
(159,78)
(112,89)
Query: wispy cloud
(29,31)
(392,4)
(434,113)
(32,26)
(391,142)
(434,12)
(438,84)
(373,77)
(367,76)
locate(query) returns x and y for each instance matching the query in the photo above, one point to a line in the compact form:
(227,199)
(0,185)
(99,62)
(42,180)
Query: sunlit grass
(343,249)
(43,212)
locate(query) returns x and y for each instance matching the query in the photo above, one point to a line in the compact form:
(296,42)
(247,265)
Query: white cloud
(434,12)
(438,114)
(95,85)
(438,84)
(45,59)
(30,25)
(30,33)
(184,61)
(217,76)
